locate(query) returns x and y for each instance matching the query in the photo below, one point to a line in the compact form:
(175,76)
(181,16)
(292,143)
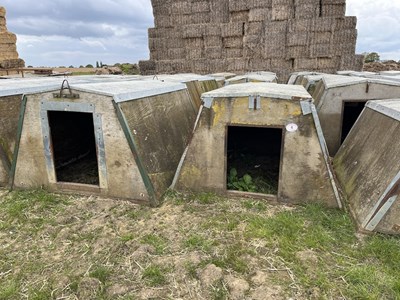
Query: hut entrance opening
(254,159)
(351,112)
(74,147)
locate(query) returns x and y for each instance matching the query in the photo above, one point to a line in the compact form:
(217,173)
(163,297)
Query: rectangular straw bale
(282,12)
(352,62)
(181,7)
(232,29)
(239,16)
(219,11)
(254,28)
(274,51)
(175,43)
(201,18)
(201,65)
(217,65)
(283,75)
(276,26)
(322,37)
(345,36)
(237,64)
(282,3)
(213,52)
(345,23)
(301,2)
(324,24)
(277,38)
(156,32)
(179,20)
(344,49)
(193,53)
(147,67)
(259,4)
(163,67)
(297,38)
(358,62)
(259,64)
(178,65)
(297,52)
(156,54)
(200,6)
(334,10)
(157,43)
(213,41)
(194,43)
(321,50)
(306,11)
(233,52)
(305,63)
(163,9)
(212,29)
(163,21)
(160,2)
(296,25)
(281,64)
(334,2)
(232,42)
(193,30)
(254,52)
(8,37)
(238,5)
(176,53)
(253,41)
(260,14)
(328,63)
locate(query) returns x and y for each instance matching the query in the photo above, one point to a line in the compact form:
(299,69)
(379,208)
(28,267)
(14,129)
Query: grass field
(193,247)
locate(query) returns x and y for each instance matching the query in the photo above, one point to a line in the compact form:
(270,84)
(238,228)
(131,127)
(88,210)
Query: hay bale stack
(283,36)
(8,49)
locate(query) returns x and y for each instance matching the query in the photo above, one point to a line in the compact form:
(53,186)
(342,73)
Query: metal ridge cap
(378,105)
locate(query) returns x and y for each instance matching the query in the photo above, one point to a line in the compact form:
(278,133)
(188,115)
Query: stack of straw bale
(8,49)
(282,36)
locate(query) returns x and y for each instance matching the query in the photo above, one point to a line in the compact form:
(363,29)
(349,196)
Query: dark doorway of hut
(351,112)
(74,147)
(253,159)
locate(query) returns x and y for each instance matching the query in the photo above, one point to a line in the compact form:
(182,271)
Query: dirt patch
(390,65)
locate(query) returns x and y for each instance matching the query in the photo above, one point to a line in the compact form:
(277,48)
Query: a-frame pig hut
(261,138)
(11,99)
(341,99)
(12,91)
(368,167)
(119,139)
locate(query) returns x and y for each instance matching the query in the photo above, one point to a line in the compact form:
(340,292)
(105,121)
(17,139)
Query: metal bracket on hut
(62,95)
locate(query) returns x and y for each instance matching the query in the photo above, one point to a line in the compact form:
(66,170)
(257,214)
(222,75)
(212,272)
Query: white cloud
(378,26)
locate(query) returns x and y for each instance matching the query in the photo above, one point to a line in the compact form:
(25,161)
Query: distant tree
(71,66)
(89,66)
(61,66)
(81,66)
(97,64)
(101,64)
(371,57)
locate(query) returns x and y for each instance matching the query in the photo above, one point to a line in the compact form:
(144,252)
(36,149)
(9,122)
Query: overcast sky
(79,32)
